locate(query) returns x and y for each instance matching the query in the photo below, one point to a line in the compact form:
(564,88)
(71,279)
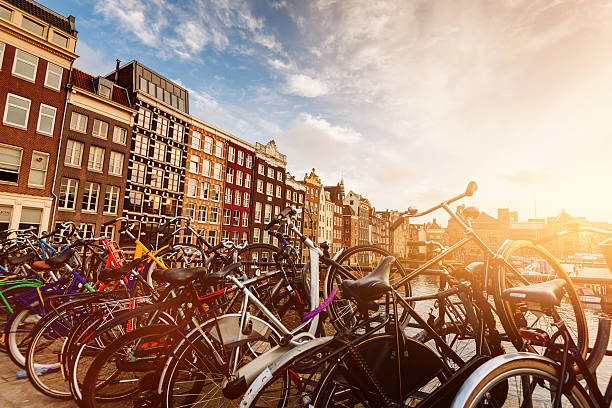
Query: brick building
(268,188)
(311,208)
(36,54)
(336,196)
(350,227)
(295,192)
(156,176)
(94,151)
(238,190)
(204,179)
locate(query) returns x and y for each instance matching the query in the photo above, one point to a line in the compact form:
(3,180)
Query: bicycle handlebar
(469,191)
(171,220)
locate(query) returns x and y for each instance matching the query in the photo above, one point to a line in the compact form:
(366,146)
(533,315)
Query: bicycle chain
(358,358)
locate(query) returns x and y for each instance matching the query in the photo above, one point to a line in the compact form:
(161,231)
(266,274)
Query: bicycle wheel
(369,376)
(531,383)
(126,372)
(358,261)
(536,264)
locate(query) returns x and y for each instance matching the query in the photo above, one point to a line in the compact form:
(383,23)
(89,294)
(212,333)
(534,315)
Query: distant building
(311,208)
(350,227)
(36,55)
(336,196)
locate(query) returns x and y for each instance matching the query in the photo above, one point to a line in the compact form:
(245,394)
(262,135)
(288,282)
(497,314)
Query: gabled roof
(85,81)
(45,14)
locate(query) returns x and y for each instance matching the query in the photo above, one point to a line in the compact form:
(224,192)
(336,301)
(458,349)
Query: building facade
(295,192)
(36,55)
(156,176)
(238,190)
(350,227)
(311,208)
(93,154)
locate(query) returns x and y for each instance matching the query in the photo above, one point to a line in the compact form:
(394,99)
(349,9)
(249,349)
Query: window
(238,178)
(108,231)
(67,196)
(177,133)
(196,140)
(231,154)
(5,13)
(268,213)
(144,118)
(279,176)
(25,65)
(270,189)
(96,159)
(288,195)
(139,173)
(214,215)
(247,180)
(227,217)
(266,240)
(17,111)
(60,40)
(216,193)
(141,145)
(255,235)
(90,197)
(236,219)
(247,199)
(53,77)
(249,161)
(260,188)
(192,188)
(175,157)
(261,169)
(301,198)
(206,168)
(120,135)
(38,169)
(276,210)
(212,237)
(135,201)
(219,149)
(74,153)
(190,210)
(228,196)
(229,177)
(100,129)
(111,200)
(240,158)
(204,190)
(46,119)
(208,144)
(173,182)
(279,193)
(33,26)
(194,162)
(245,219)
(202,213)
(270,172)
(159,151)
(88,230)
(162,126)
(226,235)
(115,164)
(237,198)
(236,237)
(218,170)
(2,46)
(78,122)
(258,212)
(157,178)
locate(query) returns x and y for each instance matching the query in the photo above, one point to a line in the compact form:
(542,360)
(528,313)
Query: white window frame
(218,171)
(247,180)
(17,57)
(80,159)
(94,129)
(60,74)
(204,187)
(30,184)
(192,188)
(88,202)
(41,114)
(112,163)
(93,149)
(122,134)
(219,146)
(6,109)
(76,190)
(229,176)
(231,154)
(79,117)
(195,135)
(116,207)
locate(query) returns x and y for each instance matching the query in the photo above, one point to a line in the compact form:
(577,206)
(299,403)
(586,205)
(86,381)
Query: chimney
(117,70)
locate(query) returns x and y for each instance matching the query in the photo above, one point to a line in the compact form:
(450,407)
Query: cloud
(92,61)
(303,85)
(336,133)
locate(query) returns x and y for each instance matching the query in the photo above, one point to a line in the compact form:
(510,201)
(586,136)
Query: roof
(85,81)
(45,14)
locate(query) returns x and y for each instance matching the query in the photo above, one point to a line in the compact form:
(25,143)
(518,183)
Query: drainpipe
(59,147)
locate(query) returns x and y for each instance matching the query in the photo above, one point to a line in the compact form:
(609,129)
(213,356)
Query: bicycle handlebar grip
(271,224)
(471,188)
(111,222)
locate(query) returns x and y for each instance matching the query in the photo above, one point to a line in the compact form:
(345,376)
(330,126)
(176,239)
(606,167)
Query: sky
(405,100)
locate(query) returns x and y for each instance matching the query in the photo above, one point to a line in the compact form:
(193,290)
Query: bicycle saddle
(55,261)
(373,285)
(548,293)
(178,275)
(110,274)
(218,276)
(19,260)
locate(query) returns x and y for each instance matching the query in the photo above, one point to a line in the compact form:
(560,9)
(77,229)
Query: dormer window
(104,87)
(105,91)
(33,26)
(5,13)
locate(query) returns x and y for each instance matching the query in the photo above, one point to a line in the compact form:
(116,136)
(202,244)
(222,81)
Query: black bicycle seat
(548,293)
(178,275)
(373,285)
(22,259)
(218,276)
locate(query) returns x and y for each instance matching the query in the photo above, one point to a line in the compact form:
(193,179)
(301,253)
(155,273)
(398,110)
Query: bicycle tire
(476,391)
(512,319)
(341,309)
